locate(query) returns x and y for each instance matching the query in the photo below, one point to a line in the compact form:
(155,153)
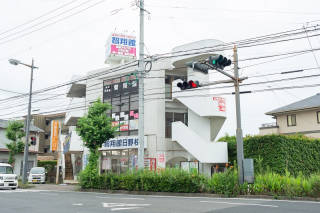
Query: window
(122,94)
(46,136)
(172,117)
(318,117)
(168,84)
(291,120)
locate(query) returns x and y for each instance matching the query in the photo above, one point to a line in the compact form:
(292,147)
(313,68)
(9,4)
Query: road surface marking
(77,204)
(110,205)
(122,198)
(129,208)
(240,204)
(103,197)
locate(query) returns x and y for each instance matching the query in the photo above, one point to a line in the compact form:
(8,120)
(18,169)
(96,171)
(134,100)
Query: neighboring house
(33,149)
(301,117)
(44,122)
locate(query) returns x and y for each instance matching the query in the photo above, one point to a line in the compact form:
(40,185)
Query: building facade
(301,117)
(33,148)
(180,127)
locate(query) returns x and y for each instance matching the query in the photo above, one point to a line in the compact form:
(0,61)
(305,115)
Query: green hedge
(294,153)
(170,180)
(49,165)
(226,184)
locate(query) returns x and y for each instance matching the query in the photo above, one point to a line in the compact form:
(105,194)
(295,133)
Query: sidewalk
(59,187)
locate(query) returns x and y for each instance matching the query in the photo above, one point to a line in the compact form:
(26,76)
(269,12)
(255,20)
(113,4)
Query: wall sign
(123,142)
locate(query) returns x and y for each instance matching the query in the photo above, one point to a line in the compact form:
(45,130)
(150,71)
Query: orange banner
(55,135)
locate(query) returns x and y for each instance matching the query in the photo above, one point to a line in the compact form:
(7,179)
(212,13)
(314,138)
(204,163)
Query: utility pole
(26,146)
(239,135)
(141,89)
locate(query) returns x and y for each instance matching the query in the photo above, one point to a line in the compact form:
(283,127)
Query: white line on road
(129,208)
(121,198)
(48,193)
(110,205)
(103,197)
(77,204)
(241,204)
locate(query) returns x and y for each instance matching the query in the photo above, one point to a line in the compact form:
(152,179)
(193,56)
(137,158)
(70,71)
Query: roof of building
(4,124)
(307,103)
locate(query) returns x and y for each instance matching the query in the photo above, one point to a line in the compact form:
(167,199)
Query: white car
(8,180)
(37,175)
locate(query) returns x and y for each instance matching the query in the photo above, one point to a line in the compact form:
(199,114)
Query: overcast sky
(76,45)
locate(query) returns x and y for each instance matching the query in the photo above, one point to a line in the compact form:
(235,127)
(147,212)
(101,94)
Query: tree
(94,129)
(15,134)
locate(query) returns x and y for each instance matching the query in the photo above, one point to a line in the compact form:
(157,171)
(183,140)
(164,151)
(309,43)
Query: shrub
(224,183)
(295,153)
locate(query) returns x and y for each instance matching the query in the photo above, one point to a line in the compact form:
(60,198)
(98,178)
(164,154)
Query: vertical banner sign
(54,135)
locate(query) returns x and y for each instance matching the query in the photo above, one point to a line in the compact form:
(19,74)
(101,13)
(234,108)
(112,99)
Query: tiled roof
(307,103)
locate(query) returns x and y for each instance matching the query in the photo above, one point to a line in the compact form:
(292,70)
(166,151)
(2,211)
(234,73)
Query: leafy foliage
(169,180)
(89,177)
(232,147)
(226,184)
(15,133)
(49,165)
(280,153)
(95,127)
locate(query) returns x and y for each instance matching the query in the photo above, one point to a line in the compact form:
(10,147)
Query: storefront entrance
(119,161)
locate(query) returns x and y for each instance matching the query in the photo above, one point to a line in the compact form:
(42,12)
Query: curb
(270,197)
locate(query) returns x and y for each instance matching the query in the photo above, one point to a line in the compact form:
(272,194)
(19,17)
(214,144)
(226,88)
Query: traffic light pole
(141,89)
(236,80)
(239,135)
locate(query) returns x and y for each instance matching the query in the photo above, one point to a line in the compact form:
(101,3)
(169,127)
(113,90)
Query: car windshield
(37,170)
(6,170)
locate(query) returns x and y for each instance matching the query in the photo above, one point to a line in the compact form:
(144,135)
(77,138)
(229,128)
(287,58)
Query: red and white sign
(221,103)
(161,160)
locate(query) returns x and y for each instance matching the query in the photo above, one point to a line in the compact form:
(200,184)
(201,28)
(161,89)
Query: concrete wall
(268,131)
(18,161)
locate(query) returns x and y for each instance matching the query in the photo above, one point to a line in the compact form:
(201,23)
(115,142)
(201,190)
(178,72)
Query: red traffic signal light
(188,85)
(33,140)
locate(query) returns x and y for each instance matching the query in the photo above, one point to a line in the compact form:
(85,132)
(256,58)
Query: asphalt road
(52,201)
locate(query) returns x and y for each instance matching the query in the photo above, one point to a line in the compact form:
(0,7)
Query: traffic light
(199,67)
(188,85)
(33,140)
(219,61)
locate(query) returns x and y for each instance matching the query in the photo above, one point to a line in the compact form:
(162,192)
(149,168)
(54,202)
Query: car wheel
(13,188)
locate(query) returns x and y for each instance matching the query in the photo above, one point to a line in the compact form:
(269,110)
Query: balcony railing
(268,125)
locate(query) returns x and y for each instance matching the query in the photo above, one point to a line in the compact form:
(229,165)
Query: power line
(52,23)
(39,17)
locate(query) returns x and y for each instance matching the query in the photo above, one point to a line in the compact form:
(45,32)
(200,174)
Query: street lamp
(26,146)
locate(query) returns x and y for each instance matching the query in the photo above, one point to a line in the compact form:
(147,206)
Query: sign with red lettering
(221,103)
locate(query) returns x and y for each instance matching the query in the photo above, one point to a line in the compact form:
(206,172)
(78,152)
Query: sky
(75,45)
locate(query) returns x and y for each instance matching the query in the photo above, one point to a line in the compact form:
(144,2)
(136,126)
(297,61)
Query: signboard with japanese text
(120,46)
(221,103)
(161,160)
(54,135)
(123,142)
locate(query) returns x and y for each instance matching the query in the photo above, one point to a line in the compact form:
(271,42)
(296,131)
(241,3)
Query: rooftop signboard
(120,47)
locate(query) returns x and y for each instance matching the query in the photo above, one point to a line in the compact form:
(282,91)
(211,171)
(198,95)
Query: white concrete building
(180,126)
